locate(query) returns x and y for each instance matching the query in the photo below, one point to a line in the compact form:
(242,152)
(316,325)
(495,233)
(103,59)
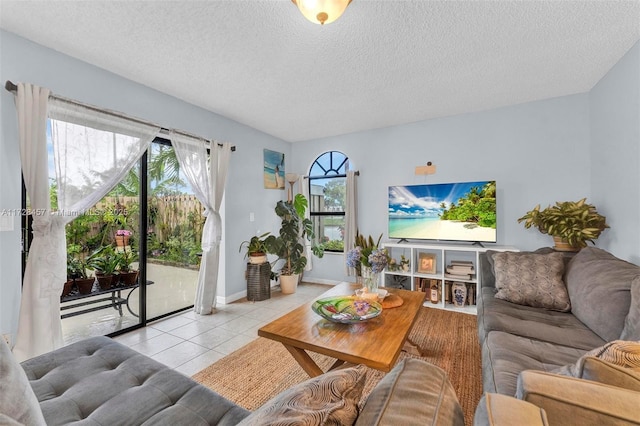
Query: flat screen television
(460,211)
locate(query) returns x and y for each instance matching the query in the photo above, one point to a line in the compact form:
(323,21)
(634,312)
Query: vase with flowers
(122,237)
(368,261)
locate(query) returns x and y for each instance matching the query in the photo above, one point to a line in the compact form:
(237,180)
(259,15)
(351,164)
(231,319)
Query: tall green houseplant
(288,244)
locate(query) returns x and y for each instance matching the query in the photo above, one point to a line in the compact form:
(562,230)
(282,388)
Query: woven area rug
(260,370)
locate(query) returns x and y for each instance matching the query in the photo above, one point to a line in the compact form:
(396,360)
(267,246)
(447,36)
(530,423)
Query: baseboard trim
(225,300)
(312,280)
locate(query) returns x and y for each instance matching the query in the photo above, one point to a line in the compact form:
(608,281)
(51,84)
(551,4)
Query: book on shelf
(462,262)
(423,285)
(471,294)
(447,292)
(458,276)
(459,269)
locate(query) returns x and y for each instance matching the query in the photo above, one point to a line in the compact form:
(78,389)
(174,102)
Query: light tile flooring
(188,342)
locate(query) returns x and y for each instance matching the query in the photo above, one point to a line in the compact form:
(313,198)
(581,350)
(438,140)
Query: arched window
(327,201)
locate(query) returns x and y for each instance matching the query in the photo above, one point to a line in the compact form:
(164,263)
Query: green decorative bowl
(346,309)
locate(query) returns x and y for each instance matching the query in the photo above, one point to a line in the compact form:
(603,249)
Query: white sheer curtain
(207,178)
(92,152)
(350,218)
(303,188)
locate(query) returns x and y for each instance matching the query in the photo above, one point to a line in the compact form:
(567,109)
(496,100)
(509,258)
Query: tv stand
(477,243)
(428,264)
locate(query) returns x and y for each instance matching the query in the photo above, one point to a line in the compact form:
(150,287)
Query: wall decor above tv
(459,211)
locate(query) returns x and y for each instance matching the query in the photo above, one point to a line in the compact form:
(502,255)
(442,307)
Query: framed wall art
(273,169)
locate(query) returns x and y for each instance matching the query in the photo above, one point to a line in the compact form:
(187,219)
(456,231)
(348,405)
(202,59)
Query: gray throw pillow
(17,399)
(532,279)
(631,330)
(329,399)
(599,286)
(413,392)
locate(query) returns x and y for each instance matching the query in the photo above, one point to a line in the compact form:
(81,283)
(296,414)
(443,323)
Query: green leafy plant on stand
(255,246)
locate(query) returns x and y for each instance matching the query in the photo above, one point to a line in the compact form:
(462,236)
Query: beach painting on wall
(273,169)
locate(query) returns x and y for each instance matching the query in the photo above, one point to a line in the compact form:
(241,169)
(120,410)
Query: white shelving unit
(436,258)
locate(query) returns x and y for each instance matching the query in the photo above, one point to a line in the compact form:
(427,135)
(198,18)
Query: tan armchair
(605,394)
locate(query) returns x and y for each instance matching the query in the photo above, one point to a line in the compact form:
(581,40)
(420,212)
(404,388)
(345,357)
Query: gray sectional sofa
(100,382)
(604,295)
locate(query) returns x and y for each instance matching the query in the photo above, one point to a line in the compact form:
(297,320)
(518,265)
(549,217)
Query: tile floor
(188,342)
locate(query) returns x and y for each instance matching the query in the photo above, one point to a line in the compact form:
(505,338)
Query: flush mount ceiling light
(322,11)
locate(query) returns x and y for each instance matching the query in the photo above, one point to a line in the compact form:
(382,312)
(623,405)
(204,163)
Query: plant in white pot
(288,244)
(256,249)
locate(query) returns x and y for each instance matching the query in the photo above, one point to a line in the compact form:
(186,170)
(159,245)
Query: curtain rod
(357,173)
(11,87)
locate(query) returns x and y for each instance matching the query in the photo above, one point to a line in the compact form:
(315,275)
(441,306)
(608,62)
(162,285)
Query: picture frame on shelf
(427,263)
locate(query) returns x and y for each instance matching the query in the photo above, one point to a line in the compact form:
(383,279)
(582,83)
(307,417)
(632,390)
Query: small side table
(258,281)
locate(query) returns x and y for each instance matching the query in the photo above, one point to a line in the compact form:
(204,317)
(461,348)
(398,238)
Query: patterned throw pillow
(618,352)
(531,279)
(329,399)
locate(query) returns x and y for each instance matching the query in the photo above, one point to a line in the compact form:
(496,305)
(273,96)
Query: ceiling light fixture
(322,11)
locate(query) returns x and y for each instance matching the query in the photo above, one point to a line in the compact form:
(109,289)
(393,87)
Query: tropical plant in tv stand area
(358,256)
(571,222)
(368,260)
(288,244)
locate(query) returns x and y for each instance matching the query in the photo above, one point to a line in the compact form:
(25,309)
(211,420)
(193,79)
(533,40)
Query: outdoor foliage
(477,206)
(333,245)
(335,195)
(175,220)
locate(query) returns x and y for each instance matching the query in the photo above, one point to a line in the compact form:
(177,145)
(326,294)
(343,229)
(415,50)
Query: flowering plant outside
(123,233)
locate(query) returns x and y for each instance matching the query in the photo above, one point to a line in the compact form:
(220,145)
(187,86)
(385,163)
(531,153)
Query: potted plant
(256,249)
(77,274)
(571,223)
(288,244)
(122,237)
(126,275)
(368,260)
(105,261)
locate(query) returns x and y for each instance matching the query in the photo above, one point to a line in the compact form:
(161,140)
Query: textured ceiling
(383,63)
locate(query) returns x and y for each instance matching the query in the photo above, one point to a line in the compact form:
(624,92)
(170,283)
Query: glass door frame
(27,237)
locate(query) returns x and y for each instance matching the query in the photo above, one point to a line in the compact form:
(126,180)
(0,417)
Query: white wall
(23,61)
(615,154)
(537,152)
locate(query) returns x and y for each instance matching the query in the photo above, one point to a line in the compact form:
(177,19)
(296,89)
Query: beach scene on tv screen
(464,211)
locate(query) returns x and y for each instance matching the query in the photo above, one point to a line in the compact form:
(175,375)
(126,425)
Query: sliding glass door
(174,230)
(134,255)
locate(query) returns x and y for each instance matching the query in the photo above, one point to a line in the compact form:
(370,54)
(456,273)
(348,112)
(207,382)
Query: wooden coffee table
(375,343)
